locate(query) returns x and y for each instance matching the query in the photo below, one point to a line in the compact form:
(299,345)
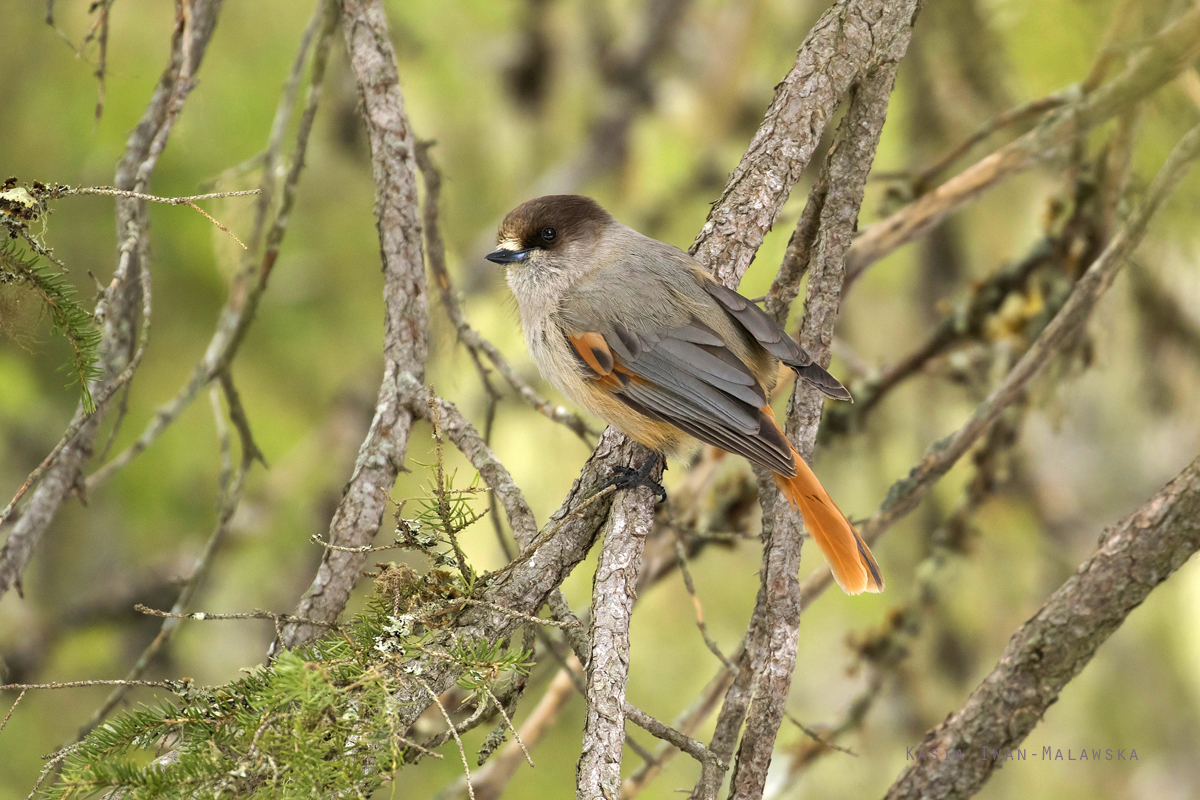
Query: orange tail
(853,566)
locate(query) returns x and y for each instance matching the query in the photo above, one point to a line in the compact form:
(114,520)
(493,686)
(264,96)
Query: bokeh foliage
(1098,442)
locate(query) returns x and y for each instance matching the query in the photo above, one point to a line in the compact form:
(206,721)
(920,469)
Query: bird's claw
(629,478)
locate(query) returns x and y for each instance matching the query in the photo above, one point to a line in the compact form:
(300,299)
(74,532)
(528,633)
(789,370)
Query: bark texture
(121,302)
(1134,556)
(614,590)
(852,38)
(775,636)
(406,345)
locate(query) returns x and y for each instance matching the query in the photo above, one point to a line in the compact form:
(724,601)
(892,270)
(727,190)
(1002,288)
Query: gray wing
(775,340)
(687,377)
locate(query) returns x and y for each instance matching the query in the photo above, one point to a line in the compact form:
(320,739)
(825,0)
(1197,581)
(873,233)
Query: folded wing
(774,339)
(687,377)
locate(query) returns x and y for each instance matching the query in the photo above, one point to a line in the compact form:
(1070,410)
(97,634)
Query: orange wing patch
(593,350)
(593,353)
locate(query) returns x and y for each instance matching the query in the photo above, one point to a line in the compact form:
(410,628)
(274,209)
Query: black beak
(506,256)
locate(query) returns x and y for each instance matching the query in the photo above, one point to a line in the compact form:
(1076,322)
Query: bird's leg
(627,478)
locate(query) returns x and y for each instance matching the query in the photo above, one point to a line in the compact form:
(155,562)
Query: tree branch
(599,772)
(905,494)
(1054,646)
(851,38)
(777,614)
(121,301)
(1164,57)
(233,483)
(250,282)
(423,402)
(381,455)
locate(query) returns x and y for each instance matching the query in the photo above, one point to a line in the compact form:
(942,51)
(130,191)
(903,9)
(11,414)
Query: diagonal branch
(250,282)
(406,345)
(121,302)
(1164,56)
(423,402)
(775,624)
(233,483)
(852,38)
(905,494)
(1133,557)
(476,344)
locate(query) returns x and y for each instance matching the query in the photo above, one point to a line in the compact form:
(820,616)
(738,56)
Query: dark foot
(627,478)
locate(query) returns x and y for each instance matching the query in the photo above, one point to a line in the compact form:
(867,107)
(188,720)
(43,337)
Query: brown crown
(570,215)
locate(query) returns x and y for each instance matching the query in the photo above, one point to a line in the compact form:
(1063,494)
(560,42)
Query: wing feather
(775,339)
(690,382)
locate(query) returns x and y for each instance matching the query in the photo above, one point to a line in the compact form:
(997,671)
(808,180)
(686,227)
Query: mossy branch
(324,720)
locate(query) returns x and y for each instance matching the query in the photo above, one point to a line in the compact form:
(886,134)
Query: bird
(641,335)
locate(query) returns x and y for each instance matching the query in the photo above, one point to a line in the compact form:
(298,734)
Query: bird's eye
(548,234)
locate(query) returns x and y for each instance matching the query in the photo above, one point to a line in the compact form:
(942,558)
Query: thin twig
(316,539)
(208,616)
(921,179)
(230,499)
(446,716)
(56,192)
(152,198)
(517,614)
(816,737)
(477,346)
(516,734)
(84,684)
(250,281)
(420,749)
(675,738)
(17,702)
(681,553)
(51,765)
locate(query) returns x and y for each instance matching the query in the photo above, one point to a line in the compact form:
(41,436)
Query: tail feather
(853,566)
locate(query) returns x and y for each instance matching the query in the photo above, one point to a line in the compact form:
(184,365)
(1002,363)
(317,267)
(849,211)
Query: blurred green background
(509,90)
